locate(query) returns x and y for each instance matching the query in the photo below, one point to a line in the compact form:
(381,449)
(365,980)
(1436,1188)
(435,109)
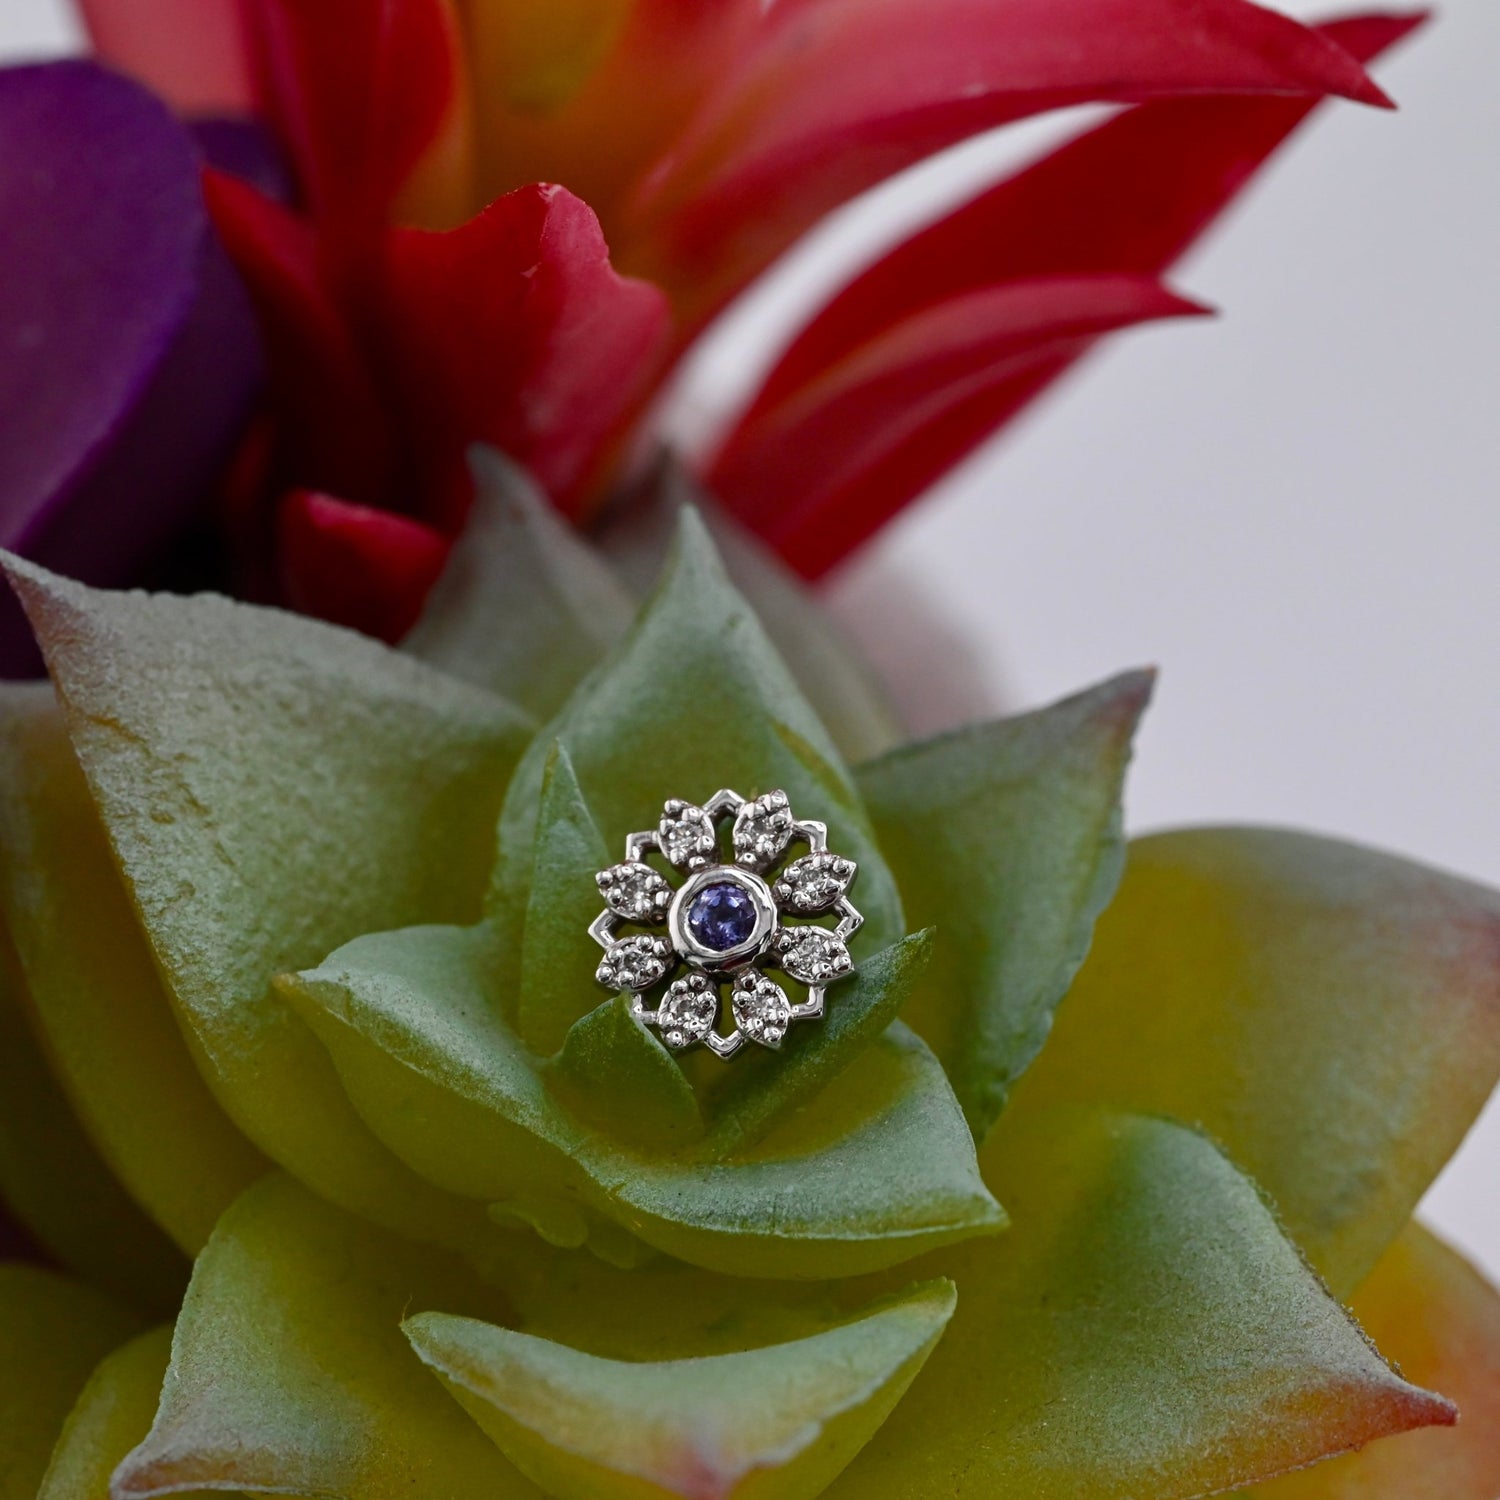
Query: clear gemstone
(634,963)
(686,834)
(722,916)
(635,891)
(687,1011)
(761,1009)
(813,955)
(763,829)
(814,882)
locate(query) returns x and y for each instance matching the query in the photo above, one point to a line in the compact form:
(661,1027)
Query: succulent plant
(1064,1196)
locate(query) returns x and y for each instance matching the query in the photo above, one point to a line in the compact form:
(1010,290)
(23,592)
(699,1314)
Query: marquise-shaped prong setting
(813,955)
(762,830)
(762,1011)
(812,884)
(726,919)
(634,891)
(686,835)
(687,1012)
(636,963)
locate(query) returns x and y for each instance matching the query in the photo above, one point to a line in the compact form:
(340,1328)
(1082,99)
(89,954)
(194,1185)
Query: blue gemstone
(722,916)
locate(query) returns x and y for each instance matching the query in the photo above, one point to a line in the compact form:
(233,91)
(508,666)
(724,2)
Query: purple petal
(247,150)
(128,351)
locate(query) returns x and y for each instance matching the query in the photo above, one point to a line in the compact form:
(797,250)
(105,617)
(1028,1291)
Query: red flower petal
(1127,198)
(1130,196)
(515,330)
(841,93)
(364,568)
(195,53)
(361,89)
(333,421)
(884,422)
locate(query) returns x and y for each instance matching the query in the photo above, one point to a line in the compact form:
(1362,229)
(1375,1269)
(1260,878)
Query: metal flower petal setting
(726,923)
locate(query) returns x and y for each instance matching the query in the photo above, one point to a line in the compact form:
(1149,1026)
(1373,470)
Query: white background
(1292,510)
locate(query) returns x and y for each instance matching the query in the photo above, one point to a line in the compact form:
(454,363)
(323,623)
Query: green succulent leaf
(95,994)
(557,982)
(1006,838)
(877,1168)
(113,1413)
(289,1374)
(763,1089)
(54,1180)
(1145,1329)
(271,787)
(612,1073)
(828,666)
(1430,1310)
(694,699)
(525,606)
(53,1331)
(1329,1014)
(773,1423)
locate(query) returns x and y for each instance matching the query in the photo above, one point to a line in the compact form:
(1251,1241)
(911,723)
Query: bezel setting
(726,960)
(784,896)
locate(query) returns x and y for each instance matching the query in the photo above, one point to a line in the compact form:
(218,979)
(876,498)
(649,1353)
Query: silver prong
(851,919)
(602,929)
(724,800)
(811,1009)
(638,844)
(814,832)
(724,1046)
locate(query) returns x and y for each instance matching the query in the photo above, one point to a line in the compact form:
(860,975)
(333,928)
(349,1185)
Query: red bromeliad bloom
(428,286)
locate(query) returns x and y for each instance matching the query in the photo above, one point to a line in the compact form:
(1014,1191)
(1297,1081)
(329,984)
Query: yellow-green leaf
(1006,838)
(53,1331)
(615,1075)
(876,1168)
(289,1374)
(112,1414)
(1329,1014)
(95,994)
(772,1423)
(1145,1329)
(56,1183)
(525,606)
(1434,1314)
(271,787)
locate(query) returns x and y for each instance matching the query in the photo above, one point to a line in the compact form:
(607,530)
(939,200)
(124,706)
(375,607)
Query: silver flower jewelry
(726,923)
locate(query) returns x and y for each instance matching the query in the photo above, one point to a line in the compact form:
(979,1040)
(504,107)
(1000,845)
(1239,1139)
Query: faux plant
(301,988)
(328,1166)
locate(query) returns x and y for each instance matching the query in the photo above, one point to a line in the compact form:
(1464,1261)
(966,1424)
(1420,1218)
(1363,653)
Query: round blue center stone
(722,916)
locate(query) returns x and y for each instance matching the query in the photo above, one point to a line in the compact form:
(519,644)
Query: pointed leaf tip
(1435,1315)
(1145,1329)
(525,606)
(1006,838)
(1329,1013)
(779,1420)
(695,697)
(272,786)
(765,1089)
